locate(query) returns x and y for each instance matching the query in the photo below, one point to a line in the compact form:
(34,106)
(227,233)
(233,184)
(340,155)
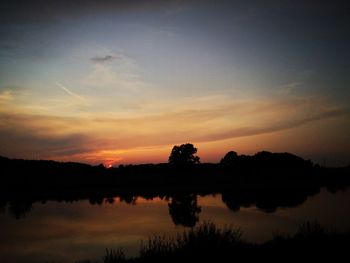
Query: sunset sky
(123,81)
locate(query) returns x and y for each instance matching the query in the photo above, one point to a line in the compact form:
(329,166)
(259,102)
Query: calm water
(65,232)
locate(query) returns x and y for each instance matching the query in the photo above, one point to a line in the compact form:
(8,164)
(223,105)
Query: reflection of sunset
(90,229)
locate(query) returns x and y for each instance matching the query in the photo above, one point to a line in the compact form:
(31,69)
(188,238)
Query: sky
(123,81)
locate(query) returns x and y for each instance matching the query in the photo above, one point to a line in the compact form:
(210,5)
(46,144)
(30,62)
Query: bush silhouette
(183,155)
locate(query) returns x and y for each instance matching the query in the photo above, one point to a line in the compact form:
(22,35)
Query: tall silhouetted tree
(229,159)
(183,155)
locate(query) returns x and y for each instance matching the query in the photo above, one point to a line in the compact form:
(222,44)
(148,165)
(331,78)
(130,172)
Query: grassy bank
(206,243)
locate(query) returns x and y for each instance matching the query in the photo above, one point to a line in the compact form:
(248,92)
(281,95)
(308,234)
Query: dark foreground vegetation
(265,180)
(207,243)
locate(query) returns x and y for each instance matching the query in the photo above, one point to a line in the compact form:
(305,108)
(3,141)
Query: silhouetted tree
(229,159)
(183,155)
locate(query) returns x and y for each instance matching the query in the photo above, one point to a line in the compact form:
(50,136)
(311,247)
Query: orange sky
(214,124)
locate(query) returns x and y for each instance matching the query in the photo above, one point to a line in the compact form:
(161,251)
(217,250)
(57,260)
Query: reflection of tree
(234,200)
(96,200)
(231,202)
(267,199)
(129,199)
(109,200)
(2,206)
(274,198)
(19,208)
(184,210)
(99,199)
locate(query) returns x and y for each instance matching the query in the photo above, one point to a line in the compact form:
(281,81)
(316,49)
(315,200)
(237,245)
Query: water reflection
(183,207)
(19,208)
(268,199)
(74,230)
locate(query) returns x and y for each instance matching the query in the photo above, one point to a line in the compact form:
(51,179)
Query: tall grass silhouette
(206,242)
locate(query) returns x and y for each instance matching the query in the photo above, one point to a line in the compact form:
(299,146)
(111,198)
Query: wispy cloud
(124,77)
(73,94)
(289,87)
(6,96)
(102,59)
(274,127)
(83,137)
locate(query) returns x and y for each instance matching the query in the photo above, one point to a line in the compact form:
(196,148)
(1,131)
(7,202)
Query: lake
(68,231)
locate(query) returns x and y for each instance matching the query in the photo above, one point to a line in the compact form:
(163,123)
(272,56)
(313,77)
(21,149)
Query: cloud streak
(276,127)
(73,94)
(102,59)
